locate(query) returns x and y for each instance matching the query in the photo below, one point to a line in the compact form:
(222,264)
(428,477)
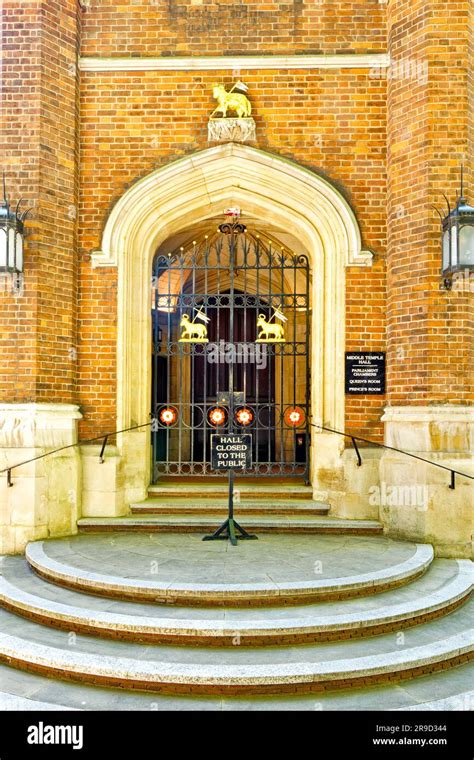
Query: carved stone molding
(38,425)
(445,428)
(231,130)
(373,62)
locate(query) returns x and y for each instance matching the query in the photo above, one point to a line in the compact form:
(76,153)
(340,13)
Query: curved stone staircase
(286,616)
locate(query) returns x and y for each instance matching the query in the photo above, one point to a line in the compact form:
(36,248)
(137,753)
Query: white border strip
(220,63)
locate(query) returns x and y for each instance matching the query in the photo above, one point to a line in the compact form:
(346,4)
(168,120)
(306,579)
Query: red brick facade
(40,157)
(197,27)
(129,127)
(389,147)
(430,331)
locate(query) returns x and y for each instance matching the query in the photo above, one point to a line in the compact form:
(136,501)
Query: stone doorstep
(205,510)
(293,492)
(235,678)
(189,506)
(267,630)
(221,511)
(207,593)
(262,523)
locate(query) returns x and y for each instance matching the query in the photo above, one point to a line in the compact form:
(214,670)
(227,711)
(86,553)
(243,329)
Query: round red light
(217,416)
(244,416)
(295,416)
(168,415)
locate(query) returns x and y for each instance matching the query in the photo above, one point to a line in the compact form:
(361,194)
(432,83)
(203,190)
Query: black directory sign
(231,452)
(365,372)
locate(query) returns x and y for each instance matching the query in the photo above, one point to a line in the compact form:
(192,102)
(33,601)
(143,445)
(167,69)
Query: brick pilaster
(430,331)
(40,157)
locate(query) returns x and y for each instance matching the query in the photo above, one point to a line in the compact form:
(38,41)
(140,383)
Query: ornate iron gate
(230,315)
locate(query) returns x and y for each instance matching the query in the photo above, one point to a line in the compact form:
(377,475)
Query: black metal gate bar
(230,279)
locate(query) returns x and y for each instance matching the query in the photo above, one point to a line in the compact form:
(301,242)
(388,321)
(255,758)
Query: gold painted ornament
(270,332)
(192,332)
(231,101)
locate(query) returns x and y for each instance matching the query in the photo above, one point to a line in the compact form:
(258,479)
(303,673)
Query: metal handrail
(355,438)
(104,438)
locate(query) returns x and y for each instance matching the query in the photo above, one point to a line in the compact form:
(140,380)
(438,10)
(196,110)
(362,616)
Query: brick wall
(430,331)
(196,27)
(131,123)
(39,155)
(333,121)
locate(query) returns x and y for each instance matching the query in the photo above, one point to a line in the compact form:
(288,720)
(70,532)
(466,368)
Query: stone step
(204,507)
(183,570)
(220,490)
(207,524)
(449,689)
(446,585)
(426,648)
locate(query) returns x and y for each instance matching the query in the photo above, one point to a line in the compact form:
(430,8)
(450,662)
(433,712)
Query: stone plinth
(416,501)
(45,497)
(231,130)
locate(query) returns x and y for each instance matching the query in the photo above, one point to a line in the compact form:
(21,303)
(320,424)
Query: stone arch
(200,186)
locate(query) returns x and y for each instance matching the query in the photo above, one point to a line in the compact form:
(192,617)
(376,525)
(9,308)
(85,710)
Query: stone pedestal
(231,130)
(338,480)
(109,487)
(416,501)
(45,497)
(102,483)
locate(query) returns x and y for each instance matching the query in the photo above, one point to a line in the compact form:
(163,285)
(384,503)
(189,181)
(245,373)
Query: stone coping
(435,413)
(228,63)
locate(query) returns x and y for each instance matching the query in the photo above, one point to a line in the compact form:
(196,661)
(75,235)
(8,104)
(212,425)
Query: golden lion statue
(231,101)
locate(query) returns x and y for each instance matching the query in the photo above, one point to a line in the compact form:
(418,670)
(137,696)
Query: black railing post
(359,458)
(104,444)
(354,440)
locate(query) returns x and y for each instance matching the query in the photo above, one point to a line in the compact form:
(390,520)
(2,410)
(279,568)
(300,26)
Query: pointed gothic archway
(198,187)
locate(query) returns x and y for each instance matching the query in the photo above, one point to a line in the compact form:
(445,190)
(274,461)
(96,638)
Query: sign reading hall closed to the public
(230,452)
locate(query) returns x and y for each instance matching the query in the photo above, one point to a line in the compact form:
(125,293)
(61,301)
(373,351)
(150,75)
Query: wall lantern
(457,238)
(11,235)
(217,416)
(244,416)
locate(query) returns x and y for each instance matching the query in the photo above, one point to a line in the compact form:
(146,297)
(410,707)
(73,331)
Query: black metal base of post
(230,529)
